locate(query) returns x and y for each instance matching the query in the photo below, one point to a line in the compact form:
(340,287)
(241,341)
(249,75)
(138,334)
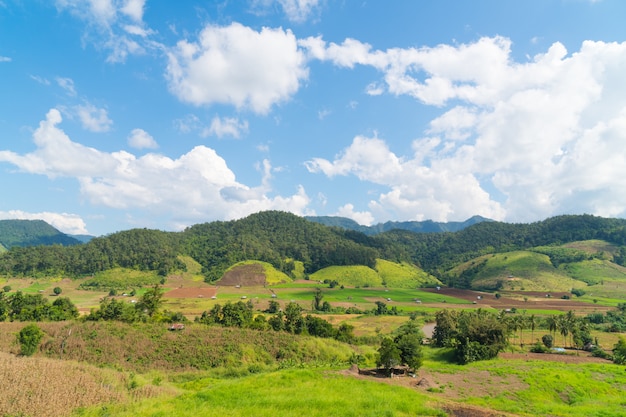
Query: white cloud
(93,118)
(298,10)
(194,187)
(237,65)
(67,223)
(40,80)
(523,141)
(67,84)
(364,218)
(141,139)
(227,126)
(5,59)
(114,25)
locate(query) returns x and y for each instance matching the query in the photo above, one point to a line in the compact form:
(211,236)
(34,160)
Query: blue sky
(117,114)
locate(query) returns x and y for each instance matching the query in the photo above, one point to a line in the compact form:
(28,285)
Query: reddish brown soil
(190,292)
(245,275)
(515,299)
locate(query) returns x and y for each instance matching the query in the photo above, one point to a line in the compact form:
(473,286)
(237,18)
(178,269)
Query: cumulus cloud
(523,141)
(67,223)
(364,218)
(5,59)
(194,187)
(141,139)
(237,65)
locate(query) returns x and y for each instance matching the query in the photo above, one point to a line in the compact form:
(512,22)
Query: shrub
(548,340)
(539,348)
(619,352)
(6,288)
(29,338)
(57,290)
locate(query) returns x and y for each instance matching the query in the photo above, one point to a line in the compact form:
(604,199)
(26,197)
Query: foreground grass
(534,387)
(284,393)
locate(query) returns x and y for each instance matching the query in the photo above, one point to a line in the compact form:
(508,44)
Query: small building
(176,326)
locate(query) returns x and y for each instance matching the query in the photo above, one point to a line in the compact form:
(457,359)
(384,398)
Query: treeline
(35,307)
(281,238)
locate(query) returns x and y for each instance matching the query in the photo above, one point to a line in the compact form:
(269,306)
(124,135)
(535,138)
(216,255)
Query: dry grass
(49,388)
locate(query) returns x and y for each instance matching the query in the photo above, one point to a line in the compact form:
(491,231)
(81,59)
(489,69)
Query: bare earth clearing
(534,300)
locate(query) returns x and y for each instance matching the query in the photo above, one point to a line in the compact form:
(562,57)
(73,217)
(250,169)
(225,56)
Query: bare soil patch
(519,300)
(244,275)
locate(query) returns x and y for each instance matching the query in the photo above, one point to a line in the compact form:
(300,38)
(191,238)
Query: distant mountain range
(34,233)
(426,226)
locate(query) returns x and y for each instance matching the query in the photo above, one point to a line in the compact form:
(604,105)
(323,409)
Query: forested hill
(281,238)
(32,233)
(426,226)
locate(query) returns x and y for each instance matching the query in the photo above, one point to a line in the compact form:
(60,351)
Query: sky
(120,114)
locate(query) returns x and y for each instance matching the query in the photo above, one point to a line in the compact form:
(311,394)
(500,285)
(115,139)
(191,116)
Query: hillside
(297,248)
(426,226)
(31,233)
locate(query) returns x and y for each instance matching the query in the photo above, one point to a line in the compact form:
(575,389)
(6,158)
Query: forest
(281,239)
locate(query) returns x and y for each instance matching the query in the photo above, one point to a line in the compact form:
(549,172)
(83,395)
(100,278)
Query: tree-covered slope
(31,233)
(426,226)
(297,247)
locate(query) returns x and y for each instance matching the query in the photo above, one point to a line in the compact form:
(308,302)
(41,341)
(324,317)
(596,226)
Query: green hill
(517,270)
(31,233)
(404,275)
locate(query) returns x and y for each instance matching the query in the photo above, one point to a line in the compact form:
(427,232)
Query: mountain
(427,226)
(32,233)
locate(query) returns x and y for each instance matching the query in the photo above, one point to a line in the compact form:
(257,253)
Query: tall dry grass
(34,386)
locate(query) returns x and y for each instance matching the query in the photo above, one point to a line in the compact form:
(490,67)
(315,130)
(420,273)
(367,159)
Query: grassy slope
(403,275)
(352,276)
(272,275)
(518,270)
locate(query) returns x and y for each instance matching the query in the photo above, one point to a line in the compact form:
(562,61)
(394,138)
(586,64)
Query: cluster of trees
(291,320)
(147,308)
(613,321)
(477,335)
(35,307)
(473,334)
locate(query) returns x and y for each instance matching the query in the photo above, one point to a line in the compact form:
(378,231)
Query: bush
(57,290)
(539,348)
(548,340)
(600,353)
(29,338)
(619,352)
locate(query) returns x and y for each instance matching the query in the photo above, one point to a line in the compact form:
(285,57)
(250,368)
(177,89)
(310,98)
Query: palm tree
(563,326)
(552,325)
(532,323)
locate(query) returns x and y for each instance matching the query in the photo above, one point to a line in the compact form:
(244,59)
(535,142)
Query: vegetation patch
(403,275)
(353,276)
(121,279)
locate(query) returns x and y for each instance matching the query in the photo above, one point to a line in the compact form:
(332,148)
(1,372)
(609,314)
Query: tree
(317,300)
(619,352)
(388,355)
(29,338)
(57,290)
(409,342)
(151,300)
